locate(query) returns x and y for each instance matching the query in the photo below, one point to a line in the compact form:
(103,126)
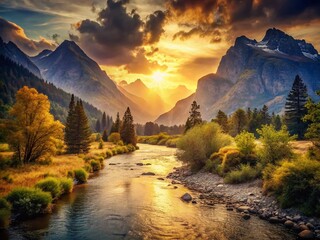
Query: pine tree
(98,126)
(295,108)
(127,131)
(83,129)
(265,116)
(222,120)
(238,122)
(116,125)
(195,116)
(105,135)
(70,136)
(104,121)
(276,122)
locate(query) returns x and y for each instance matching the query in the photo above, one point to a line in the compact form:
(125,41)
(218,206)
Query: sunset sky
(162,42)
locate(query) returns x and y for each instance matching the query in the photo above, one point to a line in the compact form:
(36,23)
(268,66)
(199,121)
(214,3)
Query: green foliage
(28,202)
(88,168)
(222,120)
(96,165)
(296,183)
(245,173)
(5,212)
(98,137)
(7,178)
(114,137)
(275,144)
(81,176)
(246,142)
(4,147)
(231,160)
(200,142)
(295,108)
(195,116)
(109,153)
(66,185)
(238,122)
(5,162)
(100,145)
(131,148)
(51,185)
(98,127)
(127,131)
(105,135)
(116,125)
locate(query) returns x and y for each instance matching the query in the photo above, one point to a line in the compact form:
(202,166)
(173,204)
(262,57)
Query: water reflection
(121,204)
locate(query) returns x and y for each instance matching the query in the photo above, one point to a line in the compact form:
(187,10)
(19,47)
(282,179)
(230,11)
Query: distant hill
(252,74)
(14,76)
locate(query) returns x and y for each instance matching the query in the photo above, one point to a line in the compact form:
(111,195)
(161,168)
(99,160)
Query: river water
(119,203)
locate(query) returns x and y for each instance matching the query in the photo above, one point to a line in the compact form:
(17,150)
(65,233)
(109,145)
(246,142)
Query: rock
(220,185)
(310,226)
(148,173)
(194,201)
(175,187)
(296,218)
(306,234)
(303,227)
(139,164)
(112,164)
(210,203)
(275,220)
(175,182)
(243,208)
(131,169)
(288,224)
(251,194)
(186,197)
(148,164)
(246,216)
(229,208)
(296,227)
(160,178)
(201,196)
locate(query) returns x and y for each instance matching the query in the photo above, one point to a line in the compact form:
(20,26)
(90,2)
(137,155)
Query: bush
(28,202)
(275,144)
(45,161)
(244,174)
(120,143)
(245,142)
(96,165)
(131,148)
(114,137)
(7,178)
(100,145)
(231,160)
(172,142)
(109,153)
(98,137)
(81,176)
(5,212)
(88,168)
(66,185)
(296,184)
(200,142)
(70,174)
(4,147)
(5,162)
(51,185)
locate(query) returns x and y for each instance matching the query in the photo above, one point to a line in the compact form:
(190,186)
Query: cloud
(216,19)
(117,33)
(12,32)
(140,64)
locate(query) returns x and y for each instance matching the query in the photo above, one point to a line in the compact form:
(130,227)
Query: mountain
(256,73)
(152,101)
(14,76)
(175,94)
(11,51)
(70,69)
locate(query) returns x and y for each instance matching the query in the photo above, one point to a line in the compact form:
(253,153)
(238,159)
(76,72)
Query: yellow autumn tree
(34,132)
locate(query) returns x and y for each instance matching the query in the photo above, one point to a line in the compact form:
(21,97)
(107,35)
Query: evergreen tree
(313,117)
(116,125)
(98,126)
(105,135)
(104,121)
(127,131)
(195,116)
(295,108)
(238,122)
(83,129)
(70,136)
(265,116)
(222,120)
(276,121)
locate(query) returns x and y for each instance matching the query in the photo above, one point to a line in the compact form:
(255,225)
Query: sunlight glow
(158,77)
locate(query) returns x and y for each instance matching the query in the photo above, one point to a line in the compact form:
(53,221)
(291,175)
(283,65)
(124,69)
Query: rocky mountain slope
(253,74)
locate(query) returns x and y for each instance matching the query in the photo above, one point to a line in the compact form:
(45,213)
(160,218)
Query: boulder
(148,173)
(246,216)
(139,164)
(288,224)
(306,234)
(243,208)
(186,197)
(275,220)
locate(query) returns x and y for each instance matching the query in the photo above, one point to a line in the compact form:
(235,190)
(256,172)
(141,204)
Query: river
(119,203)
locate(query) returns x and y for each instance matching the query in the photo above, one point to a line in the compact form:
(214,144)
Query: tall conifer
(127,131)
(104,122)
(116,125)
(70,129)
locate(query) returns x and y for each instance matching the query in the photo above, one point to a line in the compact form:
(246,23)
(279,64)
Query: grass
(29,174)
(162,139)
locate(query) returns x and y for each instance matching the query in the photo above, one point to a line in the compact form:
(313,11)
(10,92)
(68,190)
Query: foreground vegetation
(162,139)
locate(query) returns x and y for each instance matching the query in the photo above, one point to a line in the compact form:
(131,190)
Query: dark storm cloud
(117,33)
(213,16)
(154,26)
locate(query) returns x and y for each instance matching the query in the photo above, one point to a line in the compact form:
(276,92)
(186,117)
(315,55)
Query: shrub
(96,165)
(81,176)
(28,202)
(114,137)
(98,137)
(231,160)
(51,185)
(200,142)
(88,168)
(66,185)
(45,161)
(70,174)
(245,173)
(5,212)
(100,145)
(296,183)
(172,142)
(7,178)
(4,147)
(245,142)
(5,162)
(120,143)
(131,148)
(275,144)
(109,153)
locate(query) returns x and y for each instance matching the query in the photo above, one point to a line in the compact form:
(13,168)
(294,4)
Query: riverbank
(246,198)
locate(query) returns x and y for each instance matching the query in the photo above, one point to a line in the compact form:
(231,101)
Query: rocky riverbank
(246,198)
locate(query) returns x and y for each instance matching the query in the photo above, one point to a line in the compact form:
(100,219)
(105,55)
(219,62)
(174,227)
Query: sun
(158,77)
